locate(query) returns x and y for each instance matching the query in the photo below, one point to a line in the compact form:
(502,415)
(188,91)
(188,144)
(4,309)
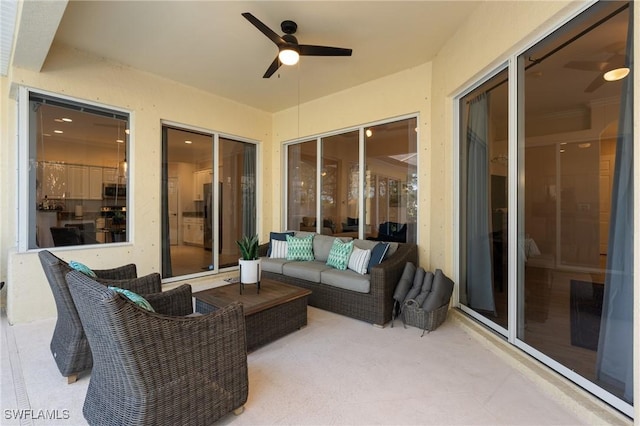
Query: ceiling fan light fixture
(616,74)
(289,56)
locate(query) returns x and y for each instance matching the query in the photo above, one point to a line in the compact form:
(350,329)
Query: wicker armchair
(69,344)
(152,369)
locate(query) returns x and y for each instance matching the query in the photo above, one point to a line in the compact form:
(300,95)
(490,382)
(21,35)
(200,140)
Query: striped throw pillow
(300,248)
(359,260)
(278,249)
(339,254)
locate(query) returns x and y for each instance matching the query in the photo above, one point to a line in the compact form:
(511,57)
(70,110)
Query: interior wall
(150,99)
(406,92)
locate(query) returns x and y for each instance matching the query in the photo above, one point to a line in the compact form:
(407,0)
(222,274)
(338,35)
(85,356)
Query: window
(209,200)
(325,194)
(78,173)
(569,193)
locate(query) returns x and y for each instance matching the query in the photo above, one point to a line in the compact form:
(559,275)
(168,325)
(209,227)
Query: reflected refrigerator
(208,217)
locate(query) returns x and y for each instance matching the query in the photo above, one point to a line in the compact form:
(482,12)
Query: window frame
(25,211)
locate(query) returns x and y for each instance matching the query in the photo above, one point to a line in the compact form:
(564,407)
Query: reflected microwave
(113,190)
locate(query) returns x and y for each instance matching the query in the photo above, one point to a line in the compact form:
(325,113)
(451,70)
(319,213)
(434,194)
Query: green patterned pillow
(134,297)
(339,254)
(300,248)
(80,267)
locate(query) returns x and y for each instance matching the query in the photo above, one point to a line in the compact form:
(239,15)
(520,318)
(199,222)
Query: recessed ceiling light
(562,150)
(126,131)
(58,131)
(584,145)
(369,133)
(119,141)
(58,120)
(188,142)
(66,120)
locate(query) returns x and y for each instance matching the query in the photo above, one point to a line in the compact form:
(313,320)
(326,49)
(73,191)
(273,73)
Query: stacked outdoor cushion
(342,262)
(422,289)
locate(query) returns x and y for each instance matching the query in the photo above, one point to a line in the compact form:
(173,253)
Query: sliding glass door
(208,200)
(558,282)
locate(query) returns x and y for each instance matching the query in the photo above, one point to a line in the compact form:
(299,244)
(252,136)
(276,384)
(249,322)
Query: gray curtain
(164,208)
(479,270)
(614,364)
(249,190)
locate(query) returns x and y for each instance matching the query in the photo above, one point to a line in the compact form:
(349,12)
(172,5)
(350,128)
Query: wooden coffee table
(276,311)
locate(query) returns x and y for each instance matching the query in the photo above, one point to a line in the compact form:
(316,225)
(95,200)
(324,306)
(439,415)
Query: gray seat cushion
(365,244)
(426,288)
(441,291)
(304,270)
(405,283)
(348,280)
(418,278)
(273,265)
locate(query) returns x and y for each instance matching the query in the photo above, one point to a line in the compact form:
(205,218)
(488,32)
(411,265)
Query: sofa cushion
(272,265)
(300,248)
(339,254)
(441,291)
(347,280)
(322,246)
(281,236)
(378,253)
(309,271)
(365,244)
(359,260)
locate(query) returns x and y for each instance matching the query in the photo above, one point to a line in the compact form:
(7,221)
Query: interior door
(173,210)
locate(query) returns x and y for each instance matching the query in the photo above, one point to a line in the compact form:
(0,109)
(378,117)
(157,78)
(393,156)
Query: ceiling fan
(613,62)
(289,50)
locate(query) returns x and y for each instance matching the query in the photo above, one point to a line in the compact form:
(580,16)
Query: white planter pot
(249,271)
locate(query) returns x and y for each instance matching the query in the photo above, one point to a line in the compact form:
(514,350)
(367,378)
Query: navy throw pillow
(378,252)
(280,236)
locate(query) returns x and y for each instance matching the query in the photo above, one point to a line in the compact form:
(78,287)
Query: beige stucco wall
(150,99)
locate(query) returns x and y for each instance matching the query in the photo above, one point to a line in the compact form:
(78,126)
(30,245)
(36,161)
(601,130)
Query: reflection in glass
(483,181)
(340,193)
(391,184)
(301,186)
(575,262)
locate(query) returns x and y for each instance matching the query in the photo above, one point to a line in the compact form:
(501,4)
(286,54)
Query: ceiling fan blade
(586,65)
(309,50)
(272,68)
(595,84)
(264,29)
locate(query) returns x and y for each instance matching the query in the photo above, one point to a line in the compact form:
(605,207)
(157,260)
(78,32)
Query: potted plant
(250,261)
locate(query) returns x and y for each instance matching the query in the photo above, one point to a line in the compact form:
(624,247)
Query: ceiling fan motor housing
(289,27)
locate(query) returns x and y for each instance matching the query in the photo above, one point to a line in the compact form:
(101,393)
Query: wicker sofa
(373,305)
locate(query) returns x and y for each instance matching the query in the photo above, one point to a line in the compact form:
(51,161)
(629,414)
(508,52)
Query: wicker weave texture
(69,344)
(374,307)
(152,369)
(427,321)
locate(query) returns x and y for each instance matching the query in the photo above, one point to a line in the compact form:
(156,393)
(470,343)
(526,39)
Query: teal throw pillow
(339,254)
(134,297)
(300,248)
(82,268)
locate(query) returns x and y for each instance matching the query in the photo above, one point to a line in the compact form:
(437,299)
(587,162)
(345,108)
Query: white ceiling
(209,45)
